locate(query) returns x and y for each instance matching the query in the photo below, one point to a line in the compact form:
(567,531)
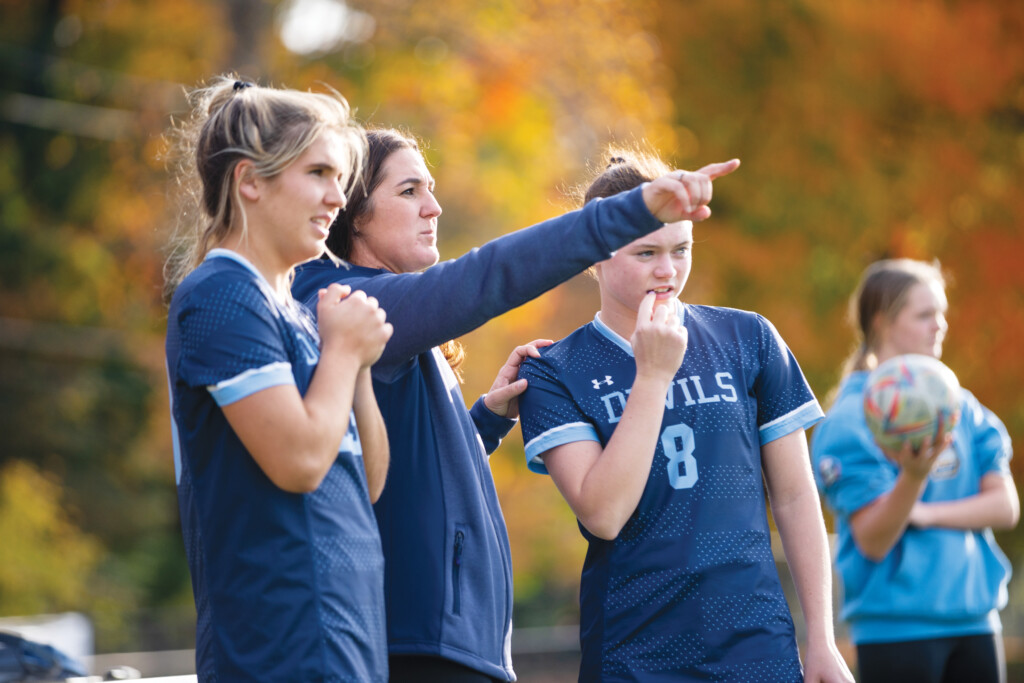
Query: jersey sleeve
(231,342)
(548,414)
(849,468)
(785,402)
(990,442)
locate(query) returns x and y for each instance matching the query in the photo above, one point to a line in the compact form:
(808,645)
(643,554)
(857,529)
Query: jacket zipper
(456,570)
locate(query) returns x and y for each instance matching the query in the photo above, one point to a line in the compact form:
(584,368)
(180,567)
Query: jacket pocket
(458,545)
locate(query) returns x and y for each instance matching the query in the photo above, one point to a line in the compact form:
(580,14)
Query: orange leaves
(958,56)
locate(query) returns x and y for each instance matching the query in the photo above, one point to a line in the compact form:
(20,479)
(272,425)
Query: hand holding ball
(910,398)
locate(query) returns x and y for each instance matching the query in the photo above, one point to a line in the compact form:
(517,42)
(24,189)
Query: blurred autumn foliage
(867,129)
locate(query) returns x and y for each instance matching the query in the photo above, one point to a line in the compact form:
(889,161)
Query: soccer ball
(908,397)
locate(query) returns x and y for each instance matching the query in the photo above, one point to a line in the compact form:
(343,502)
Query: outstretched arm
(797,514)
(455,297)
(603,486)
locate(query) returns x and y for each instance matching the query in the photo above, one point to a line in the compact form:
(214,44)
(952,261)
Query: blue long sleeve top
(935,582)
(448,570)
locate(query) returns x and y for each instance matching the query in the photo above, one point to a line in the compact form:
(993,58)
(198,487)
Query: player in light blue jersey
(923,578)
(657,422)
(274,489)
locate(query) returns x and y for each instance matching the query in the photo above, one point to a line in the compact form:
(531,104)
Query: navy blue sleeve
(785,402)
(230,340)
(455,297)
(491,427)
(549,413)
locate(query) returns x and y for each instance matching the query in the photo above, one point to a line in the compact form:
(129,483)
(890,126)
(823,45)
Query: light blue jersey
(689,588)
(934,582)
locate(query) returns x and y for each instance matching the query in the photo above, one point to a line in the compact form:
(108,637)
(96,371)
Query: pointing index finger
(720,169)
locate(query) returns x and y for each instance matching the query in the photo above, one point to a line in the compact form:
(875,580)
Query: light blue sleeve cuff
(803,417)
(557,436)
(250,382)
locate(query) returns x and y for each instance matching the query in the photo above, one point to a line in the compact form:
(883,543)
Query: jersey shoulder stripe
(557,436)
(804,417)
(250,382)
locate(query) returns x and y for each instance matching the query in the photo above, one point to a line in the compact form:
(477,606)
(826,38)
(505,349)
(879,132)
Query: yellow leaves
(48,561)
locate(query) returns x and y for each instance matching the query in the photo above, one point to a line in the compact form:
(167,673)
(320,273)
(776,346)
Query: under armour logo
(598,382)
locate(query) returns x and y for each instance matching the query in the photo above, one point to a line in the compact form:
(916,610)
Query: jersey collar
(221,252)
(624,344)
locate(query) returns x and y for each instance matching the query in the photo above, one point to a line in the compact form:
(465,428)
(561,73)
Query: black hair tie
(242,85)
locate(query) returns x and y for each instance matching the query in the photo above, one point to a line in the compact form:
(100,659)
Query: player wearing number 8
(661,460)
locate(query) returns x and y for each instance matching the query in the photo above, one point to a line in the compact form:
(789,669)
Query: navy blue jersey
(288,587)
(689,589)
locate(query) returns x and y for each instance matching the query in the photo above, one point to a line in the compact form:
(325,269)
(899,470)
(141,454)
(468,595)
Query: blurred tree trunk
(42,43)
(251,22)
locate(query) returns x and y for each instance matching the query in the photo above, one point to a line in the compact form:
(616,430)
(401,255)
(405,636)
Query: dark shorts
(426,669)
(973,659)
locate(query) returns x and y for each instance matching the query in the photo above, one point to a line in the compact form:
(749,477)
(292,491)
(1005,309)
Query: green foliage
(48,560)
